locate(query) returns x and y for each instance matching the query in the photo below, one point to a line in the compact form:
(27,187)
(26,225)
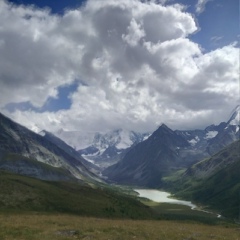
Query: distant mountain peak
(164,128)
(164,125)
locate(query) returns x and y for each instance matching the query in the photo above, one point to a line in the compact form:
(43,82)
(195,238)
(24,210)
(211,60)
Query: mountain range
(166,151)
(102,149)
(126,157)
(201,165)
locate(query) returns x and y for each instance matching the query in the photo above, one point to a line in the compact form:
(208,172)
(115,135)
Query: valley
(119,120)
(161,197)
(42,177)
(33,209)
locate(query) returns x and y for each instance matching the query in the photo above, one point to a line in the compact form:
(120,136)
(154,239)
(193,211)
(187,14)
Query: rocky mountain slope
(17,139)
(69,150)
(166,151)
(18,164)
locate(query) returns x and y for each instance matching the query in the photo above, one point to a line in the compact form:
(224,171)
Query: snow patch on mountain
(211,134)
(194,141)
(35,128)
(86,157)
(237,129)
(124,140)
(42,133)
(146,137)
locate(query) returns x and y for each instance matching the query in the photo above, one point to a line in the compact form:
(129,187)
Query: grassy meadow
(31,209)
(61,226)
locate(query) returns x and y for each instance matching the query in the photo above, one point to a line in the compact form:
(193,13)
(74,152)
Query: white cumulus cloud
(134,60)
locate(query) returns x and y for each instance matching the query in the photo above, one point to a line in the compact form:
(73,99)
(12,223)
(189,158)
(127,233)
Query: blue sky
(219,24)
(55,6)
(139,64)
(53,104)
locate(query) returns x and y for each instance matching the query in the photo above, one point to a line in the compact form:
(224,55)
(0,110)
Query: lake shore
(165,197)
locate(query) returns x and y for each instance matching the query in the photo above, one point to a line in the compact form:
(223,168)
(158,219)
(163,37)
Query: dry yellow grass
(52,227)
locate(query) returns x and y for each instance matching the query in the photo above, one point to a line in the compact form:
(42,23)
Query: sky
(100,65)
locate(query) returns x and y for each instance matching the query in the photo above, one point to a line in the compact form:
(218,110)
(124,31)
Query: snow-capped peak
(120,138)
(124,140)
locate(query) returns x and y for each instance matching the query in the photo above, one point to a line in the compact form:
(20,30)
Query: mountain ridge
(146,163)
(17,139)
(102,149)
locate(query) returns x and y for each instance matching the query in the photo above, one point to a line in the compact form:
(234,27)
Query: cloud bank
(134,62)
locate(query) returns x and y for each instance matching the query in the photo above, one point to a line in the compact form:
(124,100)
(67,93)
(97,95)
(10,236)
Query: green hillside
(23,194)
(214,182)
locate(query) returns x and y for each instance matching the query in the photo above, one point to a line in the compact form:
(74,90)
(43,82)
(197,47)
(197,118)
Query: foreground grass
(51,227)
